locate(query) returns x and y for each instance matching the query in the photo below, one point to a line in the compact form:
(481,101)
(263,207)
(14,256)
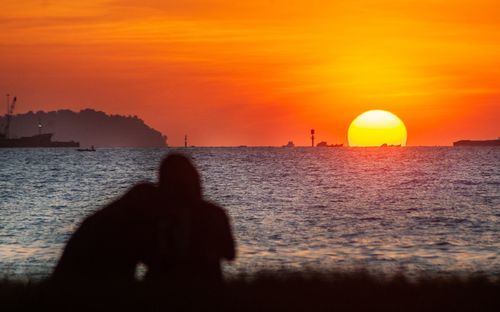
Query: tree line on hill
(89,127)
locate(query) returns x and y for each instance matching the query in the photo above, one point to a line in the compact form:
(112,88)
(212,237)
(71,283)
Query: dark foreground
(265,292)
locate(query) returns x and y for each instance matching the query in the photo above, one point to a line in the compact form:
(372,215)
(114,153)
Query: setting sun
(375,128)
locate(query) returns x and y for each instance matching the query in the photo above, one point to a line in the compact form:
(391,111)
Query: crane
(8,116)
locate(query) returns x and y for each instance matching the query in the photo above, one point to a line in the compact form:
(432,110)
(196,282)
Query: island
(477,143)
(88,127)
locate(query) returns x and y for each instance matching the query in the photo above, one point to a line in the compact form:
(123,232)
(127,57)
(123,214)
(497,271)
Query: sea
(412,210)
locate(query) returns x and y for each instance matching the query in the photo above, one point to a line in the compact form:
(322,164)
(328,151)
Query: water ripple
(408,209)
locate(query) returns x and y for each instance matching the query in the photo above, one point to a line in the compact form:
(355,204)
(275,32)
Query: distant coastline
(89,127)
(477,143)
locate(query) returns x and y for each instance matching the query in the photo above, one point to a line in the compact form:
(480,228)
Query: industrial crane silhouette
(8,116)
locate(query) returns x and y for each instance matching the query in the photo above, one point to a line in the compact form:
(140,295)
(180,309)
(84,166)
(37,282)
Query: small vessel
(289,144)
(91,149)
(385,145)
(325,144)
(477,143)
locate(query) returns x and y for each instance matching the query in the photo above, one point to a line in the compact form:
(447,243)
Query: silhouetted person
(198,235)
(109,244)
(179,237)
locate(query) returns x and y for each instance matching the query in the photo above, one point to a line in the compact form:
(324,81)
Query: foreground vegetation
(265,292)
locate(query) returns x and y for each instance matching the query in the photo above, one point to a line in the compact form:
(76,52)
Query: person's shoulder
(211,206)
(139,195)
(101,215)
(214,210)
(89,224)
(142,190)
(143,187)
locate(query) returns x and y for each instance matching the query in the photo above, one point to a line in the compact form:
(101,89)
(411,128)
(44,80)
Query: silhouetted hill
(89,127)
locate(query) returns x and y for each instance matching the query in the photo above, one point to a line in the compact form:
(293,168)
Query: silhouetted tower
(312,137)
(186,141)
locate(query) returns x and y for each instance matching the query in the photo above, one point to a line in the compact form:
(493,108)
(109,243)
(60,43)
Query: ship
(390,145)
(39,140)
(91,149)
(289,144)
(325,144)
(477,143)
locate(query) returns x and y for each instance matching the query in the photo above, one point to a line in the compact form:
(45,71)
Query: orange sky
(262,72)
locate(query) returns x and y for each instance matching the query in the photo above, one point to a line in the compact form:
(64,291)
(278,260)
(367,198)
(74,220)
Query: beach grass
(265,291)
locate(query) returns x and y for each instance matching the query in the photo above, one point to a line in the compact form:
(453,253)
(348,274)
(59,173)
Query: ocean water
(412,210)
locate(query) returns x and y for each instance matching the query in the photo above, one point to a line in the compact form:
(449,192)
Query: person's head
(179,179)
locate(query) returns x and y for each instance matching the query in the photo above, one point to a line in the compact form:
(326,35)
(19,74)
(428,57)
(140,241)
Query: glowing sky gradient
(260,72)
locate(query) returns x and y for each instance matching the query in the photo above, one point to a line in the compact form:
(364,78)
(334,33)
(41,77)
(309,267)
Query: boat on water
(91,149)
(39,140)
(385,145)
(325,144)
(289,144)
(477,143)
